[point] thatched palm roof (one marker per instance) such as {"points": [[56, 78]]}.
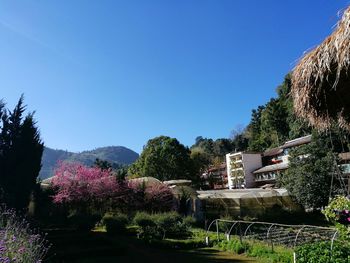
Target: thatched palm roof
{"points": [[321, 80]]}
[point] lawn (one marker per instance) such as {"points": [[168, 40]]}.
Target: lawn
{"points": [[73, 246]]}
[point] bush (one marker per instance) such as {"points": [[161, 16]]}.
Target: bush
{"points": [[338, 210], [18, 243], [189, 221], [172, 226], [258, 250], [160, 226], [115, 223], [321, 252], [234, 246], [143, 219], [148, 229], [82, 221]]}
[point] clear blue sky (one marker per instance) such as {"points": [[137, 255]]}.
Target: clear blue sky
{"points": [[101, 73]]}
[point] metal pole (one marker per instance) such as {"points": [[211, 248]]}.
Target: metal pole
{"points": [[217, 230]]}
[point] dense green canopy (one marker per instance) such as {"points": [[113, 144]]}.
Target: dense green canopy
{"points": [[165, 159]]}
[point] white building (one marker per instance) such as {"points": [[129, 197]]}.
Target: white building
{"points": [[240, 167]]}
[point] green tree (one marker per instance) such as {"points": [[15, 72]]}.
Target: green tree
{"points": [[200, 161], [20, 155], [256, 140], [102, 164], [239, 139], [311, 173], [275, 122], [165, 159]]}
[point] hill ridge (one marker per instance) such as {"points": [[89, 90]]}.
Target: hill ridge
{"points": [[117, 155]]}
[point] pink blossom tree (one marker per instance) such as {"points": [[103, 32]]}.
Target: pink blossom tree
{"points": [[81, 188], [78, 185], [159, 198]]}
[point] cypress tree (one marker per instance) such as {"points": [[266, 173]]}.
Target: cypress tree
{"points": [[20, 155]]}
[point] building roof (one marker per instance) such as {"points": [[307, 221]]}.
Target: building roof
{"points": [[271, 168], [178, 182], [244, 152], [241, 193], [272, 152], [145, 180], [297, 142]]}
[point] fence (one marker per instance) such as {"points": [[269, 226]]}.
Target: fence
{"points": [[272, 233]]}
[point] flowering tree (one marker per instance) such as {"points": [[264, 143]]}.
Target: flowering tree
{"points": [[151, 198], [158, 197], [77, 184], [84, 187]]}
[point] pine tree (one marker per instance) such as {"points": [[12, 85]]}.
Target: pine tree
{"points": [[21, 149]]}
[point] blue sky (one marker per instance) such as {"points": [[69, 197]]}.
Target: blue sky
{"points": [[101, 73]]}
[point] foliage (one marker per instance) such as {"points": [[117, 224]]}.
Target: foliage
{"points": [[338, 212], [102, 164], [309, 176], [143, 219], [83, 221], [275, 122], [189, 221], [161, 225], [80, 186], [92, 190], [259, 250], [158, 198], [335, 208], [18, 242], [234, 245], [20, 155], [213, 149], [321, 252], [165, 159], [117, 156], [201, 160], [115, 223]]}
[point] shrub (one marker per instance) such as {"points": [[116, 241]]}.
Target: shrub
{"points": [[115, 223], [161, 225], [338, 210], [189, 221], [171, 224], [19, 243], [144, 219], [321, 252], [234, 246], [83, 221], [148, 229], [258, 250]]}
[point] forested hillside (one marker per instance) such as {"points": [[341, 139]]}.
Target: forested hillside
{"points": [[116, 155]]}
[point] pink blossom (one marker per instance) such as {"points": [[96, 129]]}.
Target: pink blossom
{"points": [[77, 183]]}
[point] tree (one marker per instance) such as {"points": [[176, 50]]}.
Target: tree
{"points": [[309, 176], [102, 164], [165, 159], [239, 139], [21, 149], [201, 162]]}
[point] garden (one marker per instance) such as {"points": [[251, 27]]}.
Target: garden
{"points": [[90, 215]]}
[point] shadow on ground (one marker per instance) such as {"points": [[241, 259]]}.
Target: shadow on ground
{"points": [[71, 246]]}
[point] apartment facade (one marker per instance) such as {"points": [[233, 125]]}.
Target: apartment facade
{"points": [[240, 168], [249, 169]]}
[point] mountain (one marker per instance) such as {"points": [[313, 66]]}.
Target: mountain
{"points": [[117, 155]]}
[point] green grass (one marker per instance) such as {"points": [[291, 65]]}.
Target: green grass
{"points": [[256, 249]]}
